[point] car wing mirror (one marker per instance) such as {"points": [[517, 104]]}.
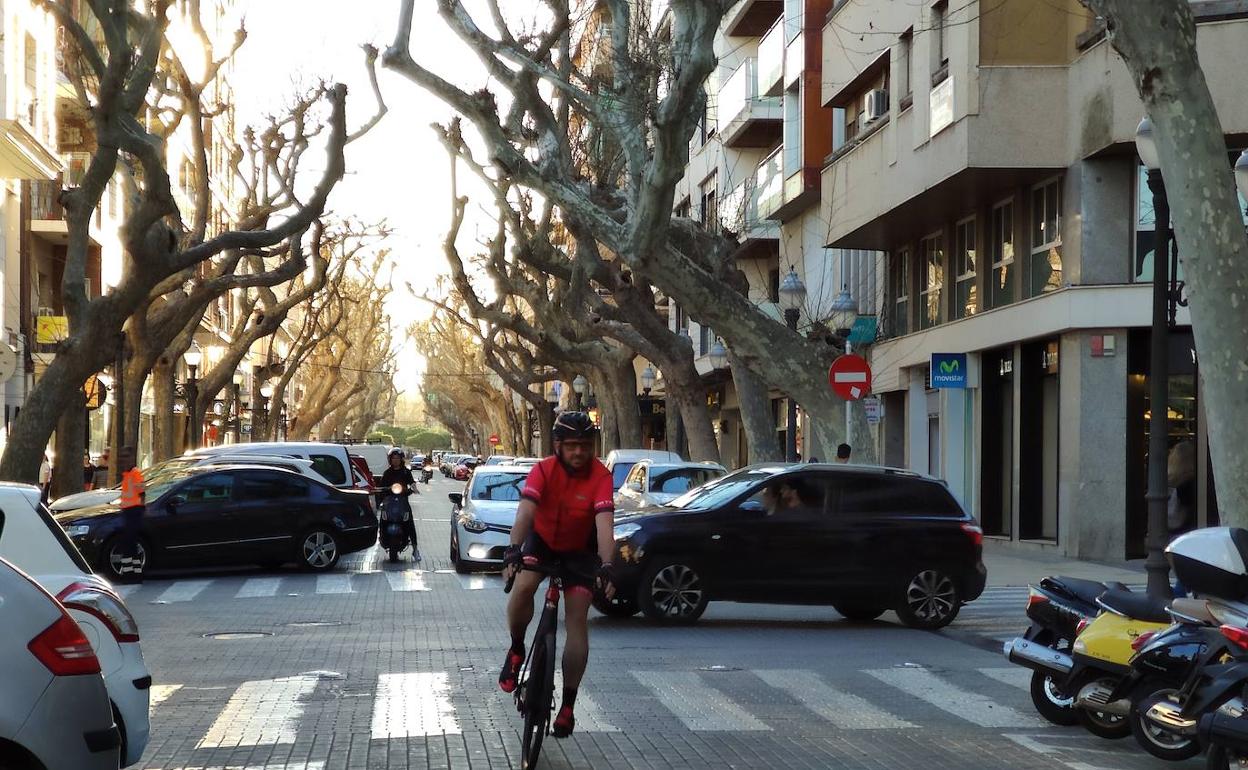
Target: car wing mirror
{"points": [[174, 502], [457, 498], [634, 486]]}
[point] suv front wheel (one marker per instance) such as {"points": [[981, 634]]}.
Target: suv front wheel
{"points": [[672, 591], [930, 600]]}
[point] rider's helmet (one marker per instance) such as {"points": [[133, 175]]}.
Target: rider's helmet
{"points": [[396, 452], [573, 425]]}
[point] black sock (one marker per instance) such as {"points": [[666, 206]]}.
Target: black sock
{"points": [[569, 697], [517, 645]]}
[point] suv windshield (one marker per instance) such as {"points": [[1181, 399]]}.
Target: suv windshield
{"points": [[721, 490]]}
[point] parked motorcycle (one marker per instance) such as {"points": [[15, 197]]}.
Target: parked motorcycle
{"points": [[395, 510]]}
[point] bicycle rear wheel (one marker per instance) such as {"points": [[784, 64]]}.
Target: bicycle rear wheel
{"points": [[538, 700]]}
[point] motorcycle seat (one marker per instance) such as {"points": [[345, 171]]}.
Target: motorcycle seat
{"points": [[1084, 590], [1193, 609], [1138, 606]]}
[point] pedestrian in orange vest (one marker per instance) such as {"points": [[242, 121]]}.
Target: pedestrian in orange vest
{"points": [[128, 560]]}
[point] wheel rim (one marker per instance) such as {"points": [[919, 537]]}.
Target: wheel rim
{"points": [[1106, 720], [115, 557], [1158, 737], [319, 549], [931, 596], [676, 590], [1051, 692]]}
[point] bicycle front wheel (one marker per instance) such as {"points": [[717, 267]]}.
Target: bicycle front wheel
{"points": [[538, 700]]}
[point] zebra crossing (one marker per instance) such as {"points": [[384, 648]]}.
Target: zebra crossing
{"points": [[424, 704], [1000, 613]]}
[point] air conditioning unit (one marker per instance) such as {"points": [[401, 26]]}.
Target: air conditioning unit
{"points": [[874, 105]]}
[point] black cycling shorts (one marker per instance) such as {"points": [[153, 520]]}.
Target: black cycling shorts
{"points": [[577, 569]]}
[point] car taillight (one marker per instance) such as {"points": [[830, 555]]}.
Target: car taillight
{"points": [[1034, 597], [1142, 640], [104, 605], [1239, 636], [64, 649], [976, 534]]}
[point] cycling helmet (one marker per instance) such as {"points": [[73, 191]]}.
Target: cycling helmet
{"points": [[573, 425]]}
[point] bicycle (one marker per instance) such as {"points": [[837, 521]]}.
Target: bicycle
{"points": [[535, 693]]}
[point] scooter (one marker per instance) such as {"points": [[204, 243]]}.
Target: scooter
{"points": [[1056, 606], [426, 474], [395, 510]]}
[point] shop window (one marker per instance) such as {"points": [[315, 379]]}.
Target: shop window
{"points": [[932, 281], [1001, 254], [966, 294], [1045, 270]]}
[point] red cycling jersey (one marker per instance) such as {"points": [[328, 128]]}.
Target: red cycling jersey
{"points": [[568, 502]]}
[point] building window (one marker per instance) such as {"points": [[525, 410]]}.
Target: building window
{"points": [[32, 61], [709, 116], [905, 55], [773, 285], [932, 263], [1001, 253], [710, 208], [682, 320], [966, 299], [901, 292], [683, 209], [704, 339], [940, 40], [1045, 270]]}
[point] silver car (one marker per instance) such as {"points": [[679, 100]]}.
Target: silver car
{"points": [[54, 709], [655, 482], [483, 516]]}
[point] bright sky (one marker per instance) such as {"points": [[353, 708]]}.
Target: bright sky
{"points": [[399, 171]]}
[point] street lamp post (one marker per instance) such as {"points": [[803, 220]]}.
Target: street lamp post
{"points": [[1159, 369], [193, 358], [842, 315], [266, 392], [792, 297], [238, 407], [579, 384], [648, 377]]}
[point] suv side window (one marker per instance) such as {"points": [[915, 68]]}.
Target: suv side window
{"points": [[330, 467], [887, 495], [213, 488], [270, 486], [804, 495]]}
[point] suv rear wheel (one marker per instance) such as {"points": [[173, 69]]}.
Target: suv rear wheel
{"points": [[930, 600]]}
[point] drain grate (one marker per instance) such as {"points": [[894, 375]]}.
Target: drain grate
{"points": [[718, 669], [229, 636], [314, 624]]}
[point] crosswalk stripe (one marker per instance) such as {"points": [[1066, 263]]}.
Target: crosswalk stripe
{"points": [[845, 710], [263, 712], [474, 582], [590, 718], [125, 591], [952, 699], [1015, 676], [257, 587], [183, 591], [333, 584], [413, 705], [408, 580], [309, 765], [699, 707], [159, 693]]}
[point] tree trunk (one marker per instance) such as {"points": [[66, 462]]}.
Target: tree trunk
{"points": [[545, 421], [71, 431], [1159, 48], [756, 416], [168, 435], [621, 384], [690, 402], [861, 436]]}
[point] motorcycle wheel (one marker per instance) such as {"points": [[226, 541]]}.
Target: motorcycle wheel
{"points": [[1222, 758], [1162, 744], [394, 555], [1102, 725], [1049, 702]]}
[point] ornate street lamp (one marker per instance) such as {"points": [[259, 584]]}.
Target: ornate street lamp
{"points": [[266, 392], [792, 298], [843, 313], [193, 358], [718, 354], [238, 406], [579, 384], [647, 379]]}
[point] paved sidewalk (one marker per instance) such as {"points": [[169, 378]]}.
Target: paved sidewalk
{"points": [[1014, 567]]}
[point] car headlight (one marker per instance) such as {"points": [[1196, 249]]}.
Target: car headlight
{"points": [[471, 523], [625, 531], [78, 530]]}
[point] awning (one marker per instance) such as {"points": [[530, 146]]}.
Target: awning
{"points": [[22, 156]]}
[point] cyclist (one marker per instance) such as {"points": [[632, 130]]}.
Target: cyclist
{"points": [[566, 516]]}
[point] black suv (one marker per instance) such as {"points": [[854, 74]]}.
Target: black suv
{"points": [[862, 539]]}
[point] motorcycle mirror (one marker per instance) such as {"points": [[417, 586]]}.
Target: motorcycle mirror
{"points": [[396, 489]]}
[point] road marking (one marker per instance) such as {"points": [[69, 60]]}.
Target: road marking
{"points": [[842, 709], [126, 590], [408, 580], [1033, 743], [1015, 676], [159, 693], [183, 591], [590, 718], [474, 582], [414, 705], [964, 704], [257, 587], [263, 712], [699, 707], [333, 584]]}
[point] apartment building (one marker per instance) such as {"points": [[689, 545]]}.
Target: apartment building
{"points": [[987, 149], [754, 172]]}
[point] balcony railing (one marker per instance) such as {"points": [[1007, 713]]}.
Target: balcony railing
{"points": [[794, 59], [44, 203], [740, 94], [739, 212], [769, 183], [771, 60]]}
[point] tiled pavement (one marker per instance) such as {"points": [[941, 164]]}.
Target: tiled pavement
{"points": [[394, 666]]}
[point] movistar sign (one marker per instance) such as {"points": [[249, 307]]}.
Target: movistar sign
{"points": [[948, 370]]}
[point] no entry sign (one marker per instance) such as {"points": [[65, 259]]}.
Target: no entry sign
{"points": [[495, 440], [850, 377]]}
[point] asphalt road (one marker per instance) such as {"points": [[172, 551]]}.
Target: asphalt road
{"points": [[394, 666]]}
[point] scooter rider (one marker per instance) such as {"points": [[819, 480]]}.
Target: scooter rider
{"points": [[399, 473]]}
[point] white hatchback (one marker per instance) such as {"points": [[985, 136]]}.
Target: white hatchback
{"points": [[483, 516], [33, 542]]}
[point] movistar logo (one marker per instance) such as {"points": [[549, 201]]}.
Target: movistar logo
{"points": [[950, 366]]}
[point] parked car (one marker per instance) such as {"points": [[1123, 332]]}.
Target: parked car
{"points": [[232, 515], [300, 465], [655, 482], [864, 540], [526, 462], [464, 468], [483, 516], [330, 460], [376, 455], [54, 708], [499, 460], [449, 462], [621, 461], [32, 541]]}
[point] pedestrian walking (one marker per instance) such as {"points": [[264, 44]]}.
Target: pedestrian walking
{"points": [[133, 506], [88, 472], [45, 477], [842, 453], [101, 480]]}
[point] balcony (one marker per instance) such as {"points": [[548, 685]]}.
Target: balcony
{"points": [[769, 183], [47, 218], [739, 214], [771, 61], [749, 120], [794, 59], [751, 18]]}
